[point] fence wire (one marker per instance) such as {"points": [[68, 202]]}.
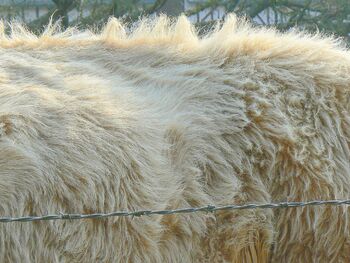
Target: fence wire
{"points": [[208, 209]]}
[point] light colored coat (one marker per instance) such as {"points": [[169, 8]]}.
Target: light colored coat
{"points": [[159, 118]]}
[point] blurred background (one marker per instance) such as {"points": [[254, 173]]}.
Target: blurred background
{"points": [[330, 16]]}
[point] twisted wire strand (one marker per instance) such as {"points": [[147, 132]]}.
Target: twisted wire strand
{"points": [[208, 209]]}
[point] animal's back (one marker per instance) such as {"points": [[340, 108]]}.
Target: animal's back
{"points": [[164, 120]]}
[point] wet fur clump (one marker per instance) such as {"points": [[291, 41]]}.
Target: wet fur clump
{"points": [[156, 117]]}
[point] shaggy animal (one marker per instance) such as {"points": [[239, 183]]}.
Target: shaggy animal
{"points": [[160, 118]]}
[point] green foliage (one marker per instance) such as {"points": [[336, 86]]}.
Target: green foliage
{"points": [[330, 16], [99, 12]]}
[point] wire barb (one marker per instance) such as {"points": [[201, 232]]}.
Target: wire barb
{"points": [[208, 209]]}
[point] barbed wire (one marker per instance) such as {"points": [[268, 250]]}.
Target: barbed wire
{"points": [[208, 209]]}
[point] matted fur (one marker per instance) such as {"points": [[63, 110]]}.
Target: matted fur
{"points": [[159, 118]]}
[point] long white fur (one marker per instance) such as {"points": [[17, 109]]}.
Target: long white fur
{"points": [[160, 118]]}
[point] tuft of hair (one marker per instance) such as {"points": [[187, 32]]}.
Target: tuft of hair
{"points": [[233, 36]]}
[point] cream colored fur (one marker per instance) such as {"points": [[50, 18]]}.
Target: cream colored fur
{"points": [[159, 118]]}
